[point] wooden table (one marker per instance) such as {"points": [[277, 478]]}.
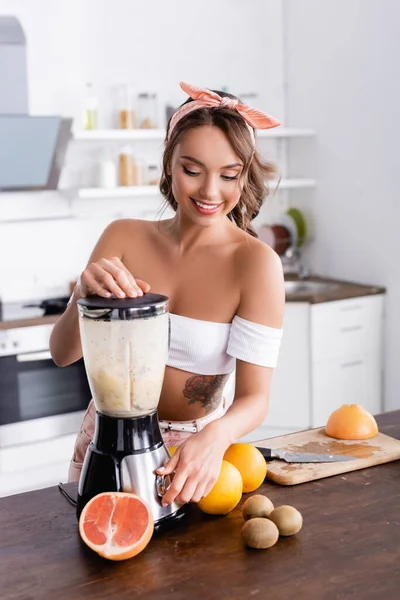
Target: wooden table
{"points": [[349, 548]]}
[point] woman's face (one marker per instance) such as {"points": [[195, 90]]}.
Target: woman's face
{"points": [[205, 173]]}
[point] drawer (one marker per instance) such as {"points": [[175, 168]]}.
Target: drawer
{"points": [[345, 328], [341, 381], [25, 457], [33, 479]]}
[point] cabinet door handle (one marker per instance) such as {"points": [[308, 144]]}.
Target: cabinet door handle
{"points": [[352, 363], [352, 307], [351, 328]]}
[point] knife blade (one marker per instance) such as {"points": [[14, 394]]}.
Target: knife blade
{"points": [[302, 457]]}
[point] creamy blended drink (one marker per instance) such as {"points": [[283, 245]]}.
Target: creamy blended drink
{"points": [[125, 362]]}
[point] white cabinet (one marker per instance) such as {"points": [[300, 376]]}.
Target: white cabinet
{"points": [[35, 465], [331, 354], [291, 386]]}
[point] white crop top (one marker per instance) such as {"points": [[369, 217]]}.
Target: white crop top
{"points": [[209, 348]]}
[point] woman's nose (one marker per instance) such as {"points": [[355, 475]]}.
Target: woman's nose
{"points": [[209, 188]]}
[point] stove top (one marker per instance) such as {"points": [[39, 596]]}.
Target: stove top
{"points": [[34, 309]]}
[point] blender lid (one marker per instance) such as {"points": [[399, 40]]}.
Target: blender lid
{"points": [[148, 305]]}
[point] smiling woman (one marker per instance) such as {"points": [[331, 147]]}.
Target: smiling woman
{"points": [[225, 288], [224, 131]]}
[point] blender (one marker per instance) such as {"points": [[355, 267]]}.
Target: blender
{"points": [[125, 348]]}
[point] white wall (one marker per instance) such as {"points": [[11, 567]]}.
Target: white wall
{"points": [[342, 75], [152, 45]]}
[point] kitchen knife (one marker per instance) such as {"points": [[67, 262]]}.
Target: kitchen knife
{"points": [[302, 457]]}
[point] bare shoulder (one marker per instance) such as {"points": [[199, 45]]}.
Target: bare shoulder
{"points": [[127, 227], [260, 272], [123, 230], [117, 236], [256, 259]]}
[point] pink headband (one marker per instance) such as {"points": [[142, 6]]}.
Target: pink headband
{"points": [[253, 117]]}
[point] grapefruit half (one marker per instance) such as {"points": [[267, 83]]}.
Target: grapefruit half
{"points": [[116, 525]]}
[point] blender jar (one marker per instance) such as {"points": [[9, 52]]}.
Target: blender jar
{"points": [[125, 350]]}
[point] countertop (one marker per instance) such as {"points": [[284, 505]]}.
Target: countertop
{"points": [[343, 290], [30, 322], [348, 547]]}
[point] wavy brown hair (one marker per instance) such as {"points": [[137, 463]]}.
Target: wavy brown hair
{"points": [[255, 173]]}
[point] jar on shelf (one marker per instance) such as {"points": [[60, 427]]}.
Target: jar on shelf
{"points": [[106, 172], [126, 107], [147, 110], [127, 175], [170, 109], [139, 172], [153, 173], [90, 108]]}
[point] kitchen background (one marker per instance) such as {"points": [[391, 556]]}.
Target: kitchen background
{"points": [[325, 69]]}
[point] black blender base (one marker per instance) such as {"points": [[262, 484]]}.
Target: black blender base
{"points": [[100, 473], [170, 522]]}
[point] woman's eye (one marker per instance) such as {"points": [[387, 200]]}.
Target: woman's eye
{"points": [[227, 178], [191, 173]]}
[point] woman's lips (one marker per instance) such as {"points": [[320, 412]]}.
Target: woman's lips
{"points": [[205, 211]]}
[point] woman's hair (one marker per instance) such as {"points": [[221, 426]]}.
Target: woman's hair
{"points": [[255, 174]]}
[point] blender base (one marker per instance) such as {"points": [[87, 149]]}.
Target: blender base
{"points": [[167, 523], [123, 457]]}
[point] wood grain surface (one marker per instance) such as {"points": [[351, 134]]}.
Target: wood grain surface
{"points": [[375, 451], [348, 548]]}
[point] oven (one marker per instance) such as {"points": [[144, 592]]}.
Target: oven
{"points": [[38, 400]]}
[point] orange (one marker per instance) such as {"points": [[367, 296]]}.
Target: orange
{"points": [[250, 463], [116, 525], [351, 422], [225, 494]]}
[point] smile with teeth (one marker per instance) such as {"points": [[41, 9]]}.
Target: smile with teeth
{"points": [[205, 206]]}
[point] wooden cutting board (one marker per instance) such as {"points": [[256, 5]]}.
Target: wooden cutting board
{"points": [[375, 451]]}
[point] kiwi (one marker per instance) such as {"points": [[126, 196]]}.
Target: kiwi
{"points": [[287, 519], [260, 533], [257, 506]]}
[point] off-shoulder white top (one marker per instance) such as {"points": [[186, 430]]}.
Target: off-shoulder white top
{"points": [[208, 348]]}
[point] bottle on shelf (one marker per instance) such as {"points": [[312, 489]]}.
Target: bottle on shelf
{"points": [[106, 171], [127, 170], [90, 110], [139, 172], [126, 107]]}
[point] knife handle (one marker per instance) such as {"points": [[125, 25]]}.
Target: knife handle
{"points": [[266, 452]]}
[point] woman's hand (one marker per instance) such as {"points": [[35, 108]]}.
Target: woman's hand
{"points": [[106, 277], [197, 463]]}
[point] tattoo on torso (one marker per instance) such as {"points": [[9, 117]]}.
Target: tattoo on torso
{"points": [[206, 389]]}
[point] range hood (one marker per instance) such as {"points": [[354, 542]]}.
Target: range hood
{"points": [[32, 148]]}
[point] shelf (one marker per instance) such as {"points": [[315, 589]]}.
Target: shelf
{"points": [[103, 135], [153, 190], [285, 132], [296, 184], [118, 135], [118, 192]]}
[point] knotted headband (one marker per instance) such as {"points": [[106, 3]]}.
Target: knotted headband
{"points": [[254, 118]]}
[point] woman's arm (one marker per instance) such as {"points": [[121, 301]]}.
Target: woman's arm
{"points": [[198, 460], [65, 341], [104, 275], [262, 302]]}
